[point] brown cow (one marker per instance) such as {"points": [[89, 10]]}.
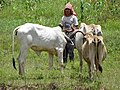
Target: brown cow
{"points": [[94, 52], [79, 35]]}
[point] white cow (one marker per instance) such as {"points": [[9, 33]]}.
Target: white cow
{"points": [[39, 38]]}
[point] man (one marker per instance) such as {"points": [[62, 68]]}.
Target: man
{"points": [[69, 22]]}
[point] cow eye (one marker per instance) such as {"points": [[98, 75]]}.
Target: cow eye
{"points": [[94, 32], [99, 34]]}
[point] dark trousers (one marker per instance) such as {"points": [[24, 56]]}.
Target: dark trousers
{"points": [[69, 50]]}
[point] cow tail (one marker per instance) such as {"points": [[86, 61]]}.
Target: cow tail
{"points": [[13, 59], [100, 68]]}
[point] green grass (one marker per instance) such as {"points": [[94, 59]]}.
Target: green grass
{"points": [[37, 76]]}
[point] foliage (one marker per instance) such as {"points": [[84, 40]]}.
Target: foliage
{"points": [[90, 11], [99, 10]]}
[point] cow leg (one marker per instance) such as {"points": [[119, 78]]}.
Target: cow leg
{"points": [[50, 61], [81, 62], [98, 68], [71, 52], [92, 66], [89, 70], [22, 58], [65, 54], [60, 56], [97, 65], [99, 59], [102, 55]]}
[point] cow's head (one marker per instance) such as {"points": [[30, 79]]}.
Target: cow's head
{"points": [[97, 30], [96, 40]]}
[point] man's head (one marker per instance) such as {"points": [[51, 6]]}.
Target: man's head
{"points": [[69, 10]]}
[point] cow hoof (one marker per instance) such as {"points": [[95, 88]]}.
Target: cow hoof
{"points": [[62, 65]]}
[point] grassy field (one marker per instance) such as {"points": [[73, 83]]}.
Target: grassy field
{"points": [[38, 77]]}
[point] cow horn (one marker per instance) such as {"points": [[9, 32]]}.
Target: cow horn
{"points": [[68, 39], [73, 34]]}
